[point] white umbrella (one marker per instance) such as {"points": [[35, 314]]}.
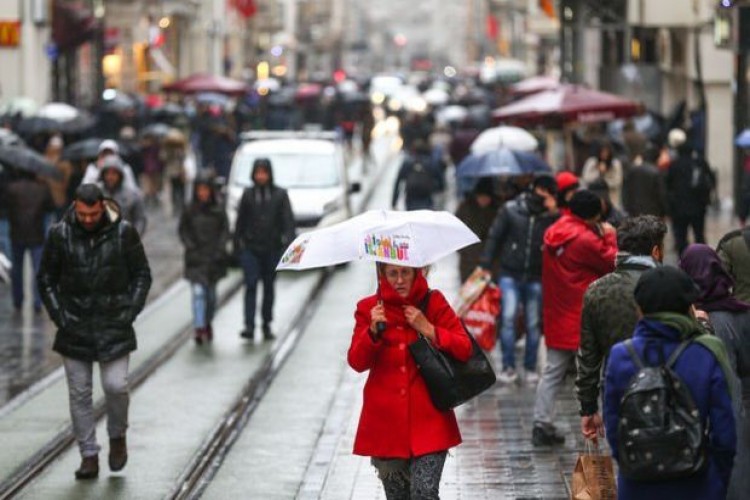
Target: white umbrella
{"points": [[452, 114], [436, 97], [413, 239], [58, 111], [513, 138]]}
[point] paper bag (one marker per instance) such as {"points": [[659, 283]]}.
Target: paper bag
{"points": [[593, 478]]}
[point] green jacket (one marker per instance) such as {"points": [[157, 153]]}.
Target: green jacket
{"points": [[608, 316], [734, 252]]}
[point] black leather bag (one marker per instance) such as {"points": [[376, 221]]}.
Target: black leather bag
{"points": [[451, 382]]}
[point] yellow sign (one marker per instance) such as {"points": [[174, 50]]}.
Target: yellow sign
{"points": [[10, 33]]}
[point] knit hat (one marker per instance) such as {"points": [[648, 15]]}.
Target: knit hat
{"points": [[585, 204], [665, 289], [566, 180]]}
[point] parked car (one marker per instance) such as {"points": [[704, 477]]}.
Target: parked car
{"points": [[310, 165]]}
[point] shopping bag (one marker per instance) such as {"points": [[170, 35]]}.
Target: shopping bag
{"points": [[471, 289], [593, 476], [481, 317]]}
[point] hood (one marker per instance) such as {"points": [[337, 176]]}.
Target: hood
{"points": [[204, 180], [270, 172], [565, 230], [389, 295]]}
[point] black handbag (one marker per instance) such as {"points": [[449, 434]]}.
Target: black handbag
{"points": [[451, 382]]}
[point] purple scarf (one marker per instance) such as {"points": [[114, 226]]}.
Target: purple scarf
{"points": [[702, 263]]}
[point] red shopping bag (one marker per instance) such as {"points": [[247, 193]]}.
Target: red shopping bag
{"points": [[481, 317]]}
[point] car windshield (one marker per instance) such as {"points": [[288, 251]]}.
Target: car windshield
{"points": [[293, 170]]}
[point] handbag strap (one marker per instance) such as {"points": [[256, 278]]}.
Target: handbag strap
{"points": [[425, 302]]}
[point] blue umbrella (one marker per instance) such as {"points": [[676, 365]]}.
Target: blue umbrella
{"points": [[743, 140], [501, 162]]}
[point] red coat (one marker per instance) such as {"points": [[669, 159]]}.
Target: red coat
{"points": [[574, 256], [398, 418]]}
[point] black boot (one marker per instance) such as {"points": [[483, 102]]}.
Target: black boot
{"points": [[118, 454], [267, 333], [198, 336], [545, 436], [89, 468], [248, 333]]}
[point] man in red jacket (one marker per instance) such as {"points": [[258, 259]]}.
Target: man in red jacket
{"points": [[578, 249]]}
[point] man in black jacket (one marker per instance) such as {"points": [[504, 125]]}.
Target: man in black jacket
{"points": [[94, 279], [517, 236], [265, 226]]}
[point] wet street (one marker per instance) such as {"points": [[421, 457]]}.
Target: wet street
{"points": [[297, 428]]}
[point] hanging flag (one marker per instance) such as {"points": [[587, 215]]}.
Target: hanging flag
{"points": [[492, 27], [548, 7], [246, 8]]}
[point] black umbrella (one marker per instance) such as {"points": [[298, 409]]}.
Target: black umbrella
{"points": [[27, 160], [88, 149], [167, 112], [8, 138], [34, 125], [78, 125], [157, 130]]}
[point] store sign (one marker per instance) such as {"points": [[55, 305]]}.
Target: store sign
{"points": [[10, 33]]}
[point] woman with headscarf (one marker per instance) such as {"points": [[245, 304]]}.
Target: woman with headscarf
{"points": [[730, 319], [608, 168]]}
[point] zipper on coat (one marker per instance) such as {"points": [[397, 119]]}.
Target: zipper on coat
{"points": [[527, 257]]}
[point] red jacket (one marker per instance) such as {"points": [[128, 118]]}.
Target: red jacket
{"points": [[574, 255], [398, 418]]}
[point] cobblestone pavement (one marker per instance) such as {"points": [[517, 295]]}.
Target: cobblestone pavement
{"points": [[26, 337]]}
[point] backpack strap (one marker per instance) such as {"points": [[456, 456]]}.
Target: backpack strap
{"points": [[634, 355], [676, 353]]}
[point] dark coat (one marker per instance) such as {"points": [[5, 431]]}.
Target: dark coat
{"points": [[28, 202], [643, 191], [685, 198], [516, 237], [734, 252], [265, 222], [204, 230], [701, 372], [94, 284], [478, 219], [608, 316]]}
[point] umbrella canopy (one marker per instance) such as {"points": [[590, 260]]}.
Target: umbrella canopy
{"points": [[119, 101], [88, 149], [8, 138], [415, 239], [501, 162], [27, 160], [271, 84], [212, 98], [308, 91], [568, 104], [514, 138], [201, 82], [452, 114], [155, 130], [24, 105], [436, 97], [38, 125], [535, 84], [59, 111], [743, 139]]}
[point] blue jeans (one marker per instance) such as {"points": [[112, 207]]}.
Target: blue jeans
{"points": [[204, 304], [513, 292], [19, 251], [258, 266]]}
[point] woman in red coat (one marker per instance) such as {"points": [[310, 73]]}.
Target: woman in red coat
{"points": [[406, 436]]}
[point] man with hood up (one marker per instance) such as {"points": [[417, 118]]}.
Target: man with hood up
{"points": [[106, 149], [265, 227], [94, 279], [578, 249], [112, 182]]}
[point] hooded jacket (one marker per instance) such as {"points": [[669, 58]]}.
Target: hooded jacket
{"points": [[94, 284], [398, 419], [517, 235], [265, 222], [129, 200], [734, 252], [574, 255]]}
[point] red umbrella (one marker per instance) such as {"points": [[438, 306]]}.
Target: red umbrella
{"points": [[535, 84], [568, 104], [201, 82]]}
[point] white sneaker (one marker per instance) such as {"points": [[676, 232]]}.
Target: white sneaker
{"points": [[508, 376], [532, 378]]}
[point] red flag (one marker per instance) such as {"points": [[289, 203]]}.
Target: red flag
{"points": [[548, 6], [492, 27], [246, 8]]}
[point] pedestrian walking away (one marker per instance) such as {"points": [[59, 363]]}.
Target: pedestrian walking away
{"points": [[406, 437], [516, 237], [578, 249], [204, 230], [94, 279], [265, 226], [734, 251], [609, 311], [730, 320], [655, 463]]}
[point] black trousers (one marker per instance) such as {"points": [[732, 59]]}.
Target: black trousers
{"points": [[680, 226], [258, 267]]}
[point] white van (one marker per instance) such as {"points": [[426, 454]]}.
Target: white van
{"points": [[308, 164]]}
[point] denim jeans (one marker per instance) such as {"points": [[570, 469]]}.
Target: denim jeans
{"points": [[114, 375], [258, 266], [204, 304], [16, 276], [513, 292]]}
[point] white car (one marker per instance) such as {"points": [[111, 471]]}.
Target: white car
{"points": [[309, 165]]}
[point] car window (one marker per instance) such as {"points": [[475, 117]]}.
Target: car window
{"points": [[292, 170]]}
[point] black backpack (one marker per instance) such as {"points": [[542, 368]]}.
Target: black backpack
{"points": [[420, 183], [660, 431]]}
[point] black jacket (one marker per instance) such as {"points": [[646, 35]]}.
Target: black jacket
{"points": [[204, 231], [517, 236], [265, 222], [94, 284], [686, 196], [643, 191], [28, 202]]}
